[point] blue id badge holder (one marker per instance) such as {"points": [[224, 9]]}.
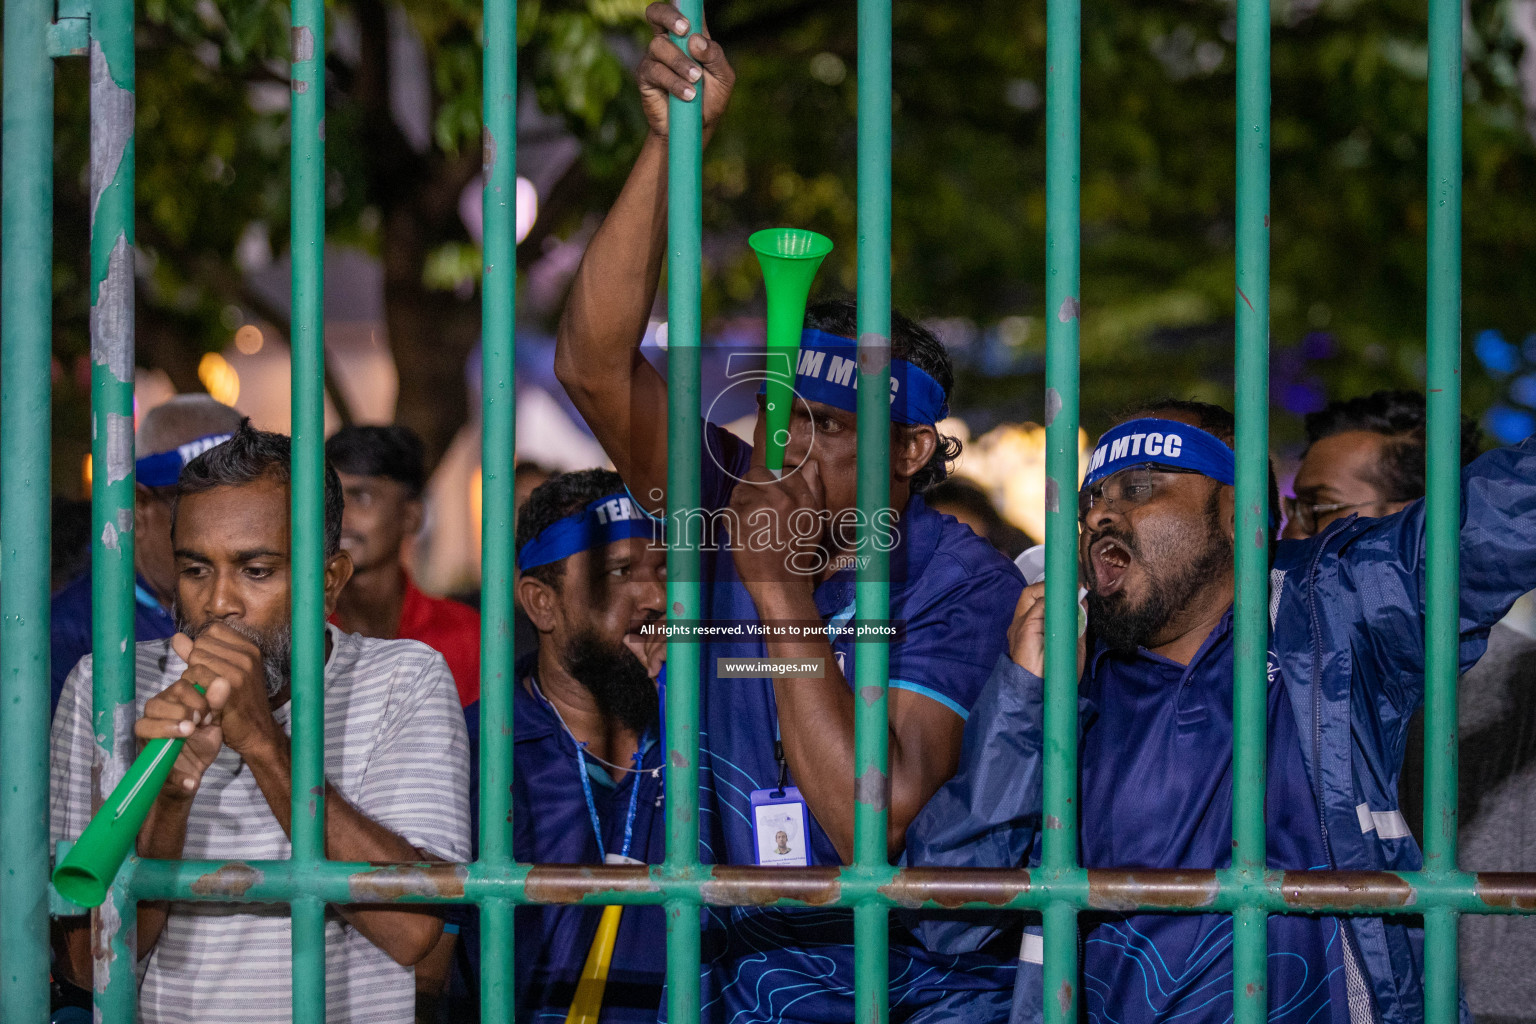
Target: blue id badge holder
{"points": [[780, 828], [781, 832]]}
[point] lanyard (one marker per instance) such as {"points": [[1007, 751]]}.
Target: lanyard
{"points": [[586, 780], [145, 598], [634, 797], [778, 755]]}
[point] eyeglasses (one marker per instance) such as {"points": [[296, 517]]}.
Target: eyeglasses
{"points": [[1306, 516], [1125, 490]]}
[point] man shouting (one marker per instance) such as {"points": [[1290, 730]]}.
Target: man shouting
{"points": [[1346, 671]]}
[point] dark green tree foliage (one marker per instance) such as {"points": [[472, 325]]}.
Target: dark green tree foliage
{"points": [[1348, 207], [1347, 210]]}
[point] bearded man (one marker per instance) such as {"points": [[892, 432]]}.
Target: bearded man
{"points": [[396, 758], [587, 751], [1346, 672]]}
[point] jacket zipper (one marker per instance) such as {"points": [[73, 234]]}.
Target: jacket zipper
{"points": [[1317, 707], [1346, 930]]}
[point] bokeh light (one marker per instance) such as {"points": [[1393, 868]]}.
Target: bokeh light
{"points": [[221, 380], [249, 340], [1510, 425], [1498, 356], [527, 207]]}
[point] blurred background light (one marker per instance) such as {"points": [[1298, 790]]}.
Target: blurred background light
{"points": [[221, 380]]}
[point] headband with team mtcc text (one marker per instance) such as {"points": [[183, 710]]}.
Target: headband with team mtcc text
{"points": [[1161, 443], [609, 518], [828, 372], [164, 468]]}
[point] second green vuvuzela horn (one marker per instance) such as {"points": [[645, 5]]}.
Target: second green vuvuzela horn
{"points": [[790, 258], [86, 873]]}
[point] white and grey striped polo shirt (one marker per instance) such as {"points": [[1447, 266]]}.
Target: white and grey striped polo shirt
{"points": [[395, 747]]}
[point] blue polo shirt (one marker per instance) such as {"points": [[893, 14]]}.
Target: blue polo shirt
{"points": [[1157, 793], [953, 596], [552, 825], [70, 628]]}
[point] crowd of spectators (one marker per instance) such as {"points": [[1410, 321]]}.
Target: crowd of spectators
{"points": [[402, 688]]}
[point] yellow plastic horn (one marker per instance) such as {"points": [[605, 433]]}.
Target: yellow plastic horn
{"points": [[790, 258], [588, 1002]]}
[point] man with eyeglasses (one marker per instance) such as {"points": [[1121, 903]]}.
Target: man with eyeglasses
{"points": [[1366, 457], [1346, 671]]}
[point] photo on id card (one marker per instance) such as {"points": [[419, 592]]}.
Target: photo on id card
{"points": [[779, 828]]}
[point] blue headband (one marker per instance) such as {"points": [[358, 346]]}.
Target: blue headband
{"points": [[828, 372], [164, 468], [612, 517], [1161, 443]]}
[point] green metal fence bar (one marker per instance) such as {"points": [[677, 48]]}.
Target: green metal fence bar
{"points": [[1250, 618], [498, 405], [307, 175], [1063, 104], [1443, 499], [872, 785], [685, 184], [112, 453], [26, 348]]}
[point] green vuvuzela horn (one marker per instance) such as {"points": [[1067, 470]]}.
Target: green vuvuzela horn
{"points": [[790, 258], [92, 863]]}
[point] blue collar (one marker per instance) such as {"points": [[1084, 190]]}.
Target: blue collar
{"points": [[531, 717]]}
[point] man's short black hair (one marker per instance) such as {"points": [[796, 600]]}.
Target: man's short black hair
{"points": [[252, 455], [1400, 416], [394, 452], [561, 495], [916, 344]]}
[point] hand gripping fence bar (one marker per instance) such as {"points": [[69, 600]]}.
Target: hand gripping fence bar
{"points": [[36, 32]]}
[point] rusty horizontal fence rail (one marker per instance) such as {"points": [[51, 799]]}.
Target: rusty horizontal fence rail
{"points": [[1277, 892]]}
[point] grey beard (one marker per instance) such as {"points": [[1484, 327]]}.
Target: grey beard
{"points": [[276, 649], [276, 652]]}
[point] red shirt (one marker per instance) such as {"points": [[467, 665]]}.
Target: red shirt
{"points": [[448, 627]]}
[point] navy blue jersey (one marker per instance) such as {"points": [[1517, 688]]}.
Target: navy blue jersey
{"points": [[1157, 793], [70, 629], [953, 597], [552, 825]]}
